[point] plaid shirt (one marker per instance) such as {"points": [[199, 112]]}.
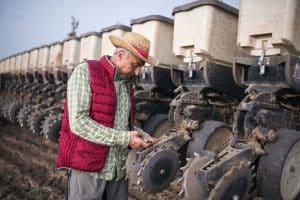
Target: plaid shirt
{"points": [[79, 98]]}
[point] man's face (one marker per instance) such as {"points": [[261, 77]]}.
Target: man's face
{"points": [[131, 65]]}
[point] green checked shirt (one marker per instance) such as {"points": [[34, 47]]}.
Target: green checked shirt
{"points": [[79, 99]]}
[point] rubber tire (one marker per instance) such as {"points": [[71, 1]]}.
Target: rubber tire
{"points": [[270, 166], [13, 111], [35, 126], [30, 118], [5, 109], [201, 136], [22, 117], [46, 124], [153, 123], [54, 130]]}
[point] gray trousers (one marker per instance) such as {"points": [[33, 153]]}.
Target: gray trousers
{"points": [[82, 186]]}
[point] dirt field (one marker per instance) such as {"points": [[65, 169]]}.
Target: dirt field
{"points": [[27, 169], [27, 166]]}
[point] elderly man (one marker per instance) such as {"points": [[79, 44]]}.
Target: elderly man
{"points": [[97, 127]]}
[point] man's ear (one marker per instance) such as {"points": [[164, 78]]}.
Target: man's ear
{"points": [[121, 54]]}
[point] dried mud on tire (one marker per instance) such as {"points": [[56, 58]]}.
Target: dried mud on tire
{"points": [[28, 171]]}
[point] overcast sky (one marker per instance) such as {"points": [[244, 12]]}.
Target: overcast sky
{"points": [[26, 24]]}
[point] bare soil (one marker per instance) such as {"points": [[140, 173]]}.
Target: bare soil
{"points": [[27, 166], [27, 169]]}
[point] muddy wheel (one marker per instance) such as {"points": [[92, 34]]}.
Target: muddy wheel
{"points": [[23, 117], [13, 112], [46, 123], [193, 188], [278, 172], [157, 125], [36, 122], [171, 116], [234, 184], [20, 116], [132, 167], [212, 135], [51, 128], [5, 110], [175, 111]]}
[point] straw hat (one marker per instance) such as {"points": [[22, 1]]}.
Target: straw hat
{"points": [[137, 44]]}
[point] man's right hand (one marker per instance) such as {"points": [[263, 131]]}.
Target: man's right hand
{"points": [[136, 140]]}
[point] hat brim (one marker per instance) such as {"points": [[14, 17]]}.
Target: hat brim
{"points": [[119, 42]]}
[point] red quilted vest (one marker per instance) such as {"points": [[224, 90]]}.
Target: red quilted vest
{"points": [[75, 152]]}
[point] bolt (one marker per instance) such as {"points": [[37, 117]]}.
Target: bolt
{"points": [[292, 169]]}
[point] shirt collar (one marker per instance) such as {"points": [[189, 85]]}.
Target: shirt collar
{"points": [[115, 72]]}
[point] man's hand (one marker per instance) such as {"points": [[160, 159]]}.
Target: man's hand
{"points": [[136, 140]]}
